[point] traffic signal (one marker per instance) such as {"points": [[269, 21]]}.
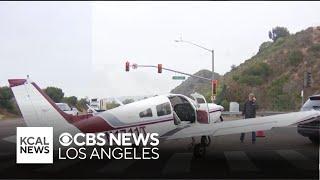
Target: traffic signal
{"points": [[127, 66], [214, 86], [159, 68], [308, 79]]}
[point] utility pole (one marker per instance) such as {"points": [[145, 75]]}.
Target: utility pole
{"points": [[212, 52], [213, 81]]}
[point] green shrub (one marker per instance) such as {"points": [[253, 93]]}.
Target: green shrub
{"points": [[315, 48], [264, 46], [250, 80], [278, 98], [258, 69], [235, 78], [255, 74], [295, 57], [280, 41], [225, 104]]}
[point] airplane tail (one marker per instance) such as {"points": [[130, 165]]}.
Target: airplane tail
{"points": [[37, 108]]}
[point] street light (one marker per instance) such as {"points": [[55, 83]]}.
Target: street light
{"points": [[212, 53]]}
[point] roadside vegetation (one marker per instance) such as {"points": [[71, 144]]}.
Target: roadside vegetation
{"points": [[275, 74], [9, 108]]}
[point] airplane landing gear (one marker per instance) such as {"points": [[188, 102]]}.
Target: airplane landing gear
{"points": [[221, 119], [206, 140], [199, 150]]}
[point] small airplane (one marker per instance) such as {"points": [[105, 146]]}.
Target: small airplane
{"points": [[172, 116]]}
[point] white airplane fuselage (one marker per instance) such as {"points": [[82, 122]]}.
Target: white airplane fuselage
{"points": [[156, 115]]}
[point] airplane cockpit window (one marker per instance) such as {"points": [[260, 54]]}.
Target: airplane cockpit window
{"points": [[146, 113], [200, 100], [183, 108], [163, 109]]}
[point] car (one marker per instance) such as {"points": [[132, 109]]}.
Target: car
{"points": [[311, 129], [67, 109]]}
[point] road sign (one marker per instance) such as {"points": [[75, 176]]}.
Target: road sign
{"points": [[178, 77]]}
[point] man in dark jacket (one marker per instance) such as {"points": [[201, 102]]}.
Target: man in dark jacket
{"points": [[249, 111]]}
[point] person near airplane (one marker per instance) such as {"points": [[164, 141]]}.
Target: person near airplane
{"points": [[249, 111]]}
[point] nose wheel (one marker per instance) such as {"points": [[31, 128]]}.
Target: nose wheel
{"points": [[199, 150]]}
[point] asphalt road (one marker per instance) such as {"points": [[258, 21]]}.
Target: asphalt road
{"points": [[283, 153]]}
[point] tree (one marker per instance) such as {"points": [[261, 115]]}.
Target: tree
{"points": [[127, 101], [71, 101], [82, 104], [221, 94], [112, 105], [56, 94], [5, 97], [233, 66], [278, 32]]}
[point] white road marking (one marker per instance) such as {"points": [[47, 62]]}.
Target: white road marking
{"points": [[11, 139], [239, 161], [178, 163], [117, 166], [58, 166], [296, 159]]}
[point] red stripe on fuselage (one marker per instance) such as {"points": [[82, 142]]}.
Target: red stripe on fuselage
{"points": [[215, 111], [97, 124]]}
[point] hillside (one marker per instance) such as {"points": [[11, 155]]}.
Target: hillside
{"points": [[193, 84], [275, 74]]}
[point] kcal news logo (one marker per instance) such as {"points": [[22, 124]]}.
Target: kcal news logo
{"points": [[34, 145]]}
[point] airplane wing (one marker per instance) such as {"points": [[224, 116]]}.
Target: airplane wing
{"points": [[243, 125]]}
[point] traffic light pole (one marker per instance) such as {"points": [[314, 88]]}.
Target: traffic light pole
{"points": [[213, 82], [212, 79], [175, 71]]}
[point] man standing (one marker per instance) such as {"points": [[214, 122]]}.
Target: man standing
{"points": [[249, 111]]}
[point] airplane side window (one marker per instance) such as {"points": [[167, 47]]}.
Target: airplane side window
{"points": [[163, 109], [146, 113]]}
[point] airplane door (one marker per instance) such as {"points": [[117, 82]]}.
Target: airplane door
{"points": [[203, 115]]}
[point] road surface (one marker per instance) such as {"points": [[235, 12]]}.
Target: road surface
{"points": [[281, 154]]}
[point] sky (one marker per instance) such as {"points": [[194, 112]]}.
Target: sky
{"points": [[81, 47]]}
